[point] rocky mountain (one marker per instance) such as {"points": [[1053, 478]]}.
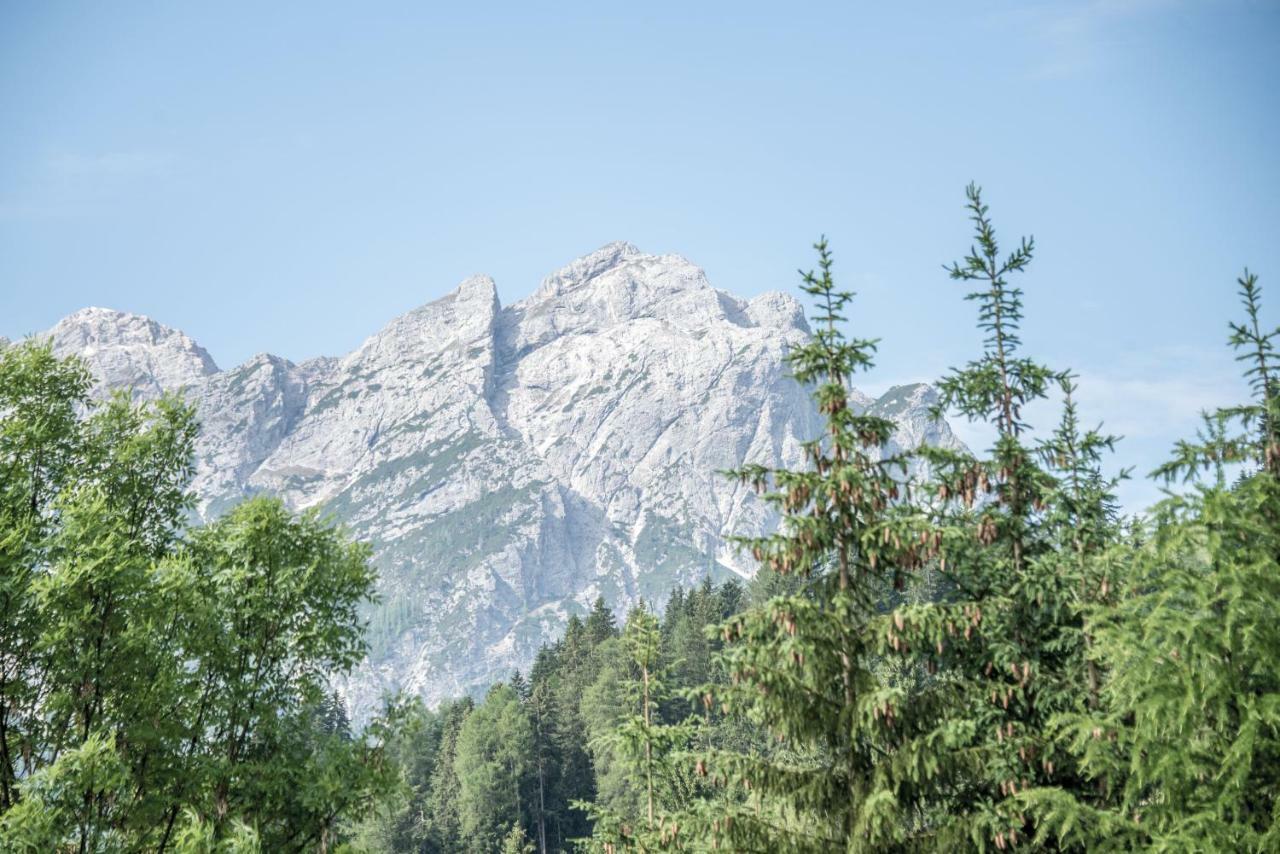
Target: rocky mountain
{"points": [[508, 464]]}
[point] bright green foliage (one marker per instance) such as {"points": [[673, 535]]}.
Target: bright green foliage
{"points": [[1186, 736], [493, 764], [40, 446], [156, 692], [602, 709], [802, 667], [1258, 443], [198, 836], [515, 842], [434, 811], [281, 597], [52, 800], [650, 751]]}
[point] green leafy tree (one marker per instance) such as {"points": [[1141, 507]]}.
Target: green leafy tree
{"points": [[156, 688], [89, 667], [281, 600], [40, 445]]}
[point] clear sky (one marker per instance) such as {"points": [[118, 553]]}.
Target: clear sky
{"points": [[287, 177]]}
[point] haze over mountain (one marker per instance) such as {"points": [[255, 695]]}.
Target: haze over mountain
{"points": [[508, 464]]}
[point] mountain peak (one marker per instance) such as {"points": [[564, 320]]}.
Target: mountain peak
{"points": [[508, 465], [478, 288], [132, 351], [589, 267], [96, 312], [463, 317]]}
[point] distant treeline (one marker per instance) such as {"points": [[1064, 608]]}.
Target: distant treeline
{"points": [[519, 767]]}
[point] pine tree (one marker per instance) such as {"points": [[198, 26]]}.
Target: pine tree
{"points": [[516, 842], [520, 685], [442, 812], [562, 677], [600, 624], [493, 767], [541, 716], [1258, 443]]}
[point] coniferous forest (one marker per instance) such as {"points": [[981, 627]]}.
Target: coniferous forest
{"points": [[942, 650]]}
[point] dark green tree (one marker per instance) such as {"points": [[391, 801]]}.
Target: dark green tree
{"points": [[494, 761], [1000, 650], [442, 815]]}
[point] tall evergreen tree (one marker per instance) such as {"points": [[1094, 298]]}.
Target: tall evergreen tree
{"points": [[650, 750], [600, 624], [442, 812], [493, 764], [1004, 635], [801, 666], [1185, 738]]}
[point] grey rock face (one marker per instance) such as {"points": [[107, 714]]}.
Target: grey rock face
{"points": [[509, 464], [132, 352]]}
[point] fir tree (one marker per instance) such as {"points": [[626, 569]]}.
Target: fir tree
{"points": [[600, 624], [493, 766], [442, 811], [516, 842]]}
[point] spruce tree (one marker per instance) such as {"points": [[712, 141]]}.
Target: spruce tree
{"points": [[801, 666], [1000, 649], [1185, 738], [441, 813], [493, 763]]}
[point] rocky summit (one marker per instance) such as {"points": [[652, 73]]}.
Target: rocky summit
{"points": [[509, 465]]}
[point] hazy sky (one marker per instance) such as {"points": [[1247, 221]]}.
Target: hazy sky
{"points": [[288, 177]]}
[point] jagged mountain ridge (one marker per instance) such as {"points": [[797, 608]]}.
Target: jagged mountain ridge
{"points": [[508, 464]]}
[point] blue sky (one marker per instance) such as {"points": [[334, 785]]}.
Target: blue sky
{"points": [[288, 177]]}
